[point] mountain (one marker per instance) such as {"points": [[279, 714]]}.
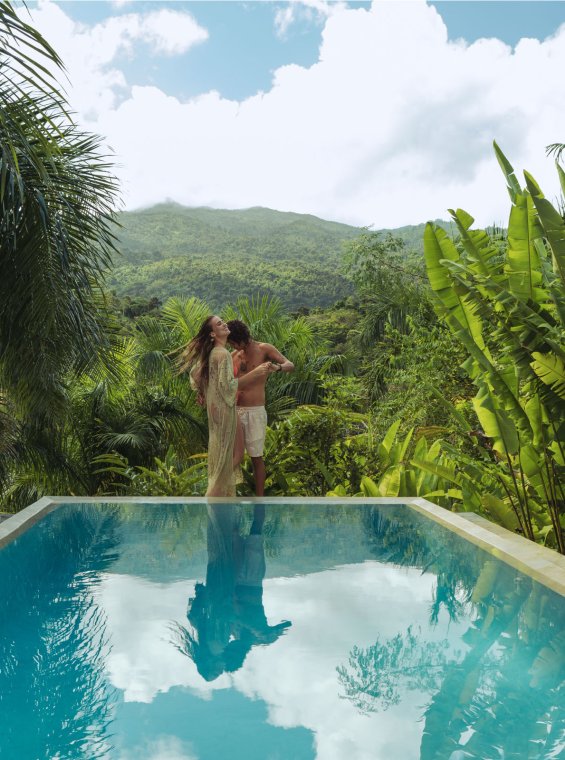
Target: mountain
{"points": [[220, 255]]}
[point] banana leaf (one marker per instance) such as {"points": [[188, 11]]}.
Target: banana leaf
{"points": [[496, 423], [391, 481], [385, 446], [508, 171], [553, 226], [522, 258], [437, 248], [501, 511], [551, 370]]}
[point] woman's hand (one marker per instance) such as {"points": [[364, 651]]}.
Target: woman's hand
{"points": [[266, 368], [261, 370]]}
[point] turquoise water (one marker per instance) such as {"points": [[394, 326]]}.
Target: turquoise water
{"points": [[340, 632]]}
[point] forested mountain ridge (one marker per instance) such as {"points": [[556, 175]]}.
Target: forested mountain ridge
{"points": [[219, 254]]}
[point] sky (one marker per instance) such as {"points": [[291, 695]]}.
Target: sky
{"points": [[376, 114]]}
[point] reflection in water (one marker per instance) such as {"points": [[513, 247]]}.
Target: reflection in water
{"points": [[54, 697], [465, 654], [376, 677], [505, 697], [406, 539], [226, 616]]}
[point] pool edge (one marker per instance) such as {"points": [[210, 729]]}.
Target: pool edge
{"points": [[540, 563], [13, 526]]}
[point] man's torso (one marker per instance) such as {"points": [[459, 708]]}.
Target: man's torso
{"points": [[254, 394]]}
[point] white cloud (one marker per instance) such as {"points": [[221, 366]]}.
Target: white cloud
{"points": [[296, 675], [304, 10], [162, 748], [392, 125], [169, 32], [90, 52]]}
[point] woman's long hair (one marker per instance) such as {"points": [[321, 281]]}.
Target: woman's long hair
{"points": [[196, 355]]}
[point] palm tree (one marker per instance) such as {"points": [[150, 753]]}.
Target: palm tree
{"points": [[555, 149], [57, 199]]}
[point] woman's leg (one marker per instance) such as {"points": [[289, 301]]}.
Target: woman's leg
{"points": [[238, 445]]}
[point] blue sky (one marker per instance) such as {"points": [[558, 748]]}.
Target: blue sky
{"points": [[244, 49], [373, 113]]}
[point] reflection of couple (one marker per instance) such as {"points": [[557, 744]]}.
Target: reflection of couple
{"points": [[226, 616], [233, 387]]}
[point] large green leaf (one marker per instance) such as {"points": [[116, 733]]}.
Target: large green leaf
{"points": [[513, 184], [501, 511], [448, 473], [477, 243], [534, 409], [398, 451], [553, 226], [551, 370], [390, 482], [369, 487], [496, 423], [561, 175], [437, 248], [523, 262], [492, 373], [386, 444]]}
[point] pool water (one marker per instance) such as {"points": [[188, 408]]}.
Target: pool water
{"points": [[267, 632]]}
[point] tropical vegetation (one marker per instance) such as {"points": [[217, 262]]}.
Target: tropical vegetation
{"points": [[431, 365], [217, 254]]}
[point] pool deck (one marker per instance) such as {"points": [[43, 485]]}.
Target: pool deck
{"points": [[540, 563]]}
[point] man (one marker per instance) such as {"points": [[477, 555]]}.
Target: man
{"points": [[250, 353]]}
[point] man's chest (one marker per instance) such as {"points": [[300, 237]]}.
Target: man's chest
{"points": [[251, 359]]}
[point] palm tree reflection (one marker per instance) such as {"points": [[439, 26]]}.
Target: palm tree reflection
{"points": [[226, 616], [55, 697], [377, 677], [504, 695]]}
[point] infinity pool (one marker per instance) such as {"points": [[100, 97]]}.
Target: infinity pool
{"points": [[272, 632]]}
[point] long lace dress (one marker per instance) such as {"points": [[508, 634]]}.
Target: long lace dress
{"points": [[222, 422]]}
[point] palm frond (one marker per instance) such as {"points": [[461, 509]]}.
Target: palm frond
{"points": [[556, 150]]}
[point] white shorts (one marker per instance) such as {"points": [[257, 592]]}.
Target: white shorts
{"points": [[254, 424]]}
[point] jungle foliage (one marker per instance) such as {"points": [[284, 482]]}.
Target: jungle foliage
{"points": [[439, 374], [218, 254], [501, 298], [137, 429]]}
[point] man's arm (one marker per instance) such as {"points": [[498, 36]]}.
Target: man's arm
{"points": [[263, 370], [274, 355]]}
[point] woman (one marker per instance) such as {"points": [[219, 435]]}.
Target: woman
{"points": [[211, 375]]}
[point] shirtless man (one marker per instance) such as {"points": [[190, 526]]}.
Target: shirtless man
{"points": [[248, 354]]}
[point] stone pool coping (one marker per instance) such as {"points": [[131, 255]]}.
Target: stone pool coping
{"points": [[540, 563]]}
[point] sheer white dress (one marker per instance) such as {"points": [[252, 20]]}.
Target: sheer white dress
{"points": [[222, 422]]}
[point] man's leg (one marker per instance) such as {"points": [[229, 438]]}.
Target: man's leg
{"points": [[255, 443], [258, 520], [259, 475]]}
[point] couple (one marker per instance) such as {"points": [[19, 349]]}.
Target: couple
{"points": [[233, 388], [226, 615]]}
